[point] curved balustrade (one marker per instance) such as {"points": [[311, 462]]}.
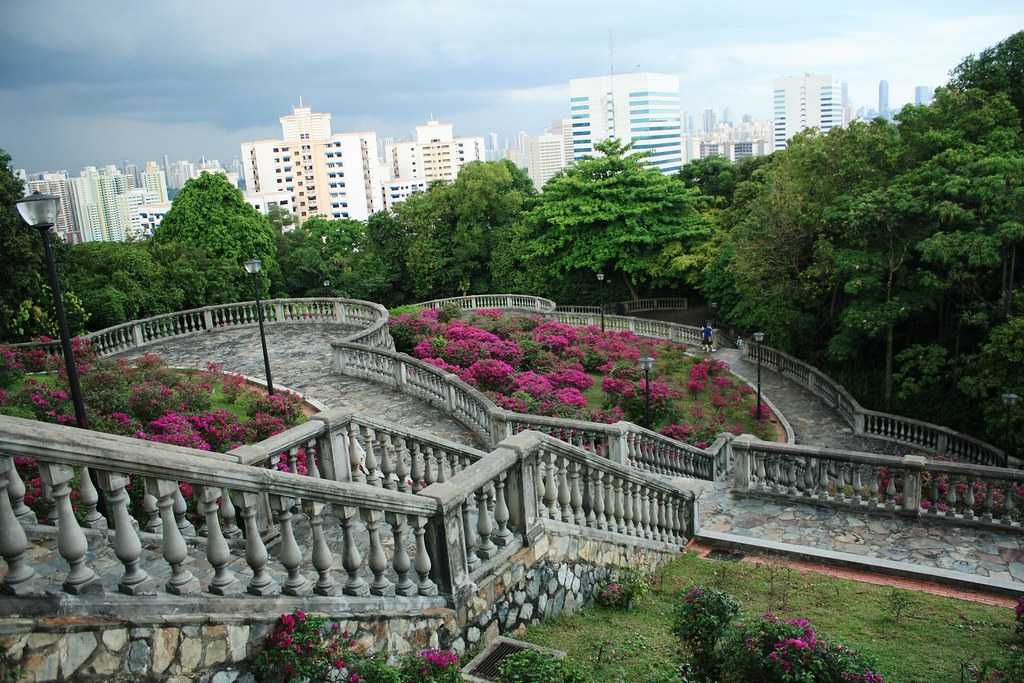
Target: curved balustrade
{"points": [[912, 485], [633, 306], [622, 442], [516, 301], [370, 318], [878, 425]]}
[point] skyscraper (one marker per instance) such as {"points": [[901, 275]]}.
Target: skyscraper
{"points": [[883, 100], [801, 102], [641, 108], [97, 205], [154, 180], [58, 184], [435, 154], [923, 95], [709, 122]]}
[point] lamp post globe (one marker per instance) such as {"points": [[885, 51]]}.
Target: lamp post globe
{"points": [[646, 364], [253, 267], [39, 211], [759, 338]]}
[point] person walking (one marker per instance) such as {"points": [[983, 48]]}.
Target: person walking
{"points": [[708, 334]]}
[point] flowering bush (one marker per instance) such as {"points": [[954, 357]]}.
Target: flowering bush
{"points": [[702, 617], [304, 647], [11, 367], [432, 666], [775, 651], [621, 591]]}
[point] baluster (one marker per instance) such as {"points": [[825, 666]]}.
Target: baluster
{"points": [[417, 468], [312, 455], [387, 466], [988, 503], [261, 583], [153, 523], [429, 466], [377, 560], [636, 492], [322, 558], [595, 517], [856, 485], [172, 543], [486, 548], [576, 492], [401, 467], [422, 561], [442, 463], [550, 489], [405, 586], [538, 476], [71, 542], [1009, 506], [16, 492], [564, 497], [218, 554], [355, 452], [228, 514], [503, 536], [469, 531], [762, 475], [293, 459], [969, 499], [614, 497], [13, 540], [374, 477], [352, 559], [890, 491], [628, 508], [180, 507], [289, 553]]}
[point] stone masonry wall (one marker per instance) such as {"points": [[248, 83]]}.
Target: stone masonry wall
{"points": [[95, 649], [556, 575]]}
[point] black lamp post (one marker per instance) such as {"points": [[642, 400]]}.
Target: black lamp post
{"points": [[1009, 400], [646, 363], [40, 212], [714, 314], [252, 266], [759, 337], [600, 287]]}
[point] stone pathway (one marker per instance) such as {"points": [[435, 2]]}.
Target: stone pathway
{"points": [[300, 358], [992, 554]]}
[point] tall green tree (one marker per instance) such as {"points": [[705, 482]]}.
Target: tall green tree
{"points": [[211, 214], [616, 214], [998, 69]]}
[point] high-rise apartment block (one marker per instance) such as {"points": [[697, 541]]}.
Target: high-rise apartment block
{"points": [[545, 157], [334, 175], [638, 108], [98, 208], [883, 100], [154, 180], [808, 101], [435, 154], [923, 95], [59, 184]]}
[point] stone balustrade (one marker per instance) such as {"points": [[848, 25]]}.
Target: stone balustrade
{"points": [[370, 318], [907, 431], [514, 301], [632, 306], [912, 486], [623, 442]]}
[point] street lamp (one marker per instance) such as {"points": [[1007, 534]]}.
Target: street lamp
{"points": [[1008, 402], [39, 211], [646, 363], [252, 266], [714, 314], [327, 287], [759, 337], [600, 279]]}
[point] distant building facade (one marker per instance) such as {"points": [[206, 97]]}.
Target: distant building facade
{"points": [[802, 102]]}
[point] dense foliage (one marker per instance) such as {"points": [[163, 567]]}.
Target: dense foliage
{"points": [[529, 364]]}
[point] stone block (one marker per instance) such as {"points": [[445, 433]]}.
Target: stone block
{"points": [[114, 639], [165, 647], [473, 634], [104, 664], [38, 640], [43, 665], [191, 652], [526, 612], [14, 646], [74, 649], [138, 657]]}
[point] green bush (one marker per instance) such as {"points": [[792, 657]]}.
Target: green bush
{"points": [[531, 666], [702, 617], [449, 311], [623, 589], [11, 368]]}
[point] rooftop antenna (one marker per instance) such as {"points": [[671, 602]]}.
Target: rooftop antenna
{"points": [[300, 101]]}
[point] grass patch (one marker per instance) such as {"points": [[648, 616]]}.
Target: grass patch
{"points": [[925, 643]]}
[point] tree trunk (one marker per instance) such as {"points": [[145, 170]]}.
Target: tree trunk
{"points": [[888, 366], [629, 284]]}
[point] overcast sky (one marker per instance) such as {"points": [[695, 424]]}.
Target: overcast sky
{"points": [[94, 82]]}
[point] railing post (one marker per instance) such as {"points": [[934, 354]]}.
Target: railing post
{"points": [[499, 426], [332, 444], [137, 334], [278, 312], [739, 450], [340, 360], [207, 319], [449, 380], [941, 443], [913, 466], [618, 446], [399, 374]]}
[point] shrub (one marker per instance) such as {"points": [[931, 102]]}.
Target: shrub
{"points": [[702, 617], [151, 399], [449, 311], [105, 390], [775, 651], [192, 396], [531, 666], [432, 666], [284, 405], [11, 368], [303, 647], [621, 591]]}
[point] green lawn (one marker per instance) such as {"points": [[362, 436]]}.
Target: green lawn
{"points": [[933, 635]]}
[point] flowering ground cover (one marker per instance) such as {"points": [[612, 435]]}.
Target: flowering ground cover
{"points": [[529, 364], [928, 639], [210, 410]]}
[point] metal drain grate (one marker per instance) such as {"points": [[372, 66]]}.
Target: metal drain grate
{"points": [[485, 666], [488, 667]]}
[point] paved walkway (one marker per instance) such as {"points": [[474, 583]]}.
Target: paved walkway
{"points": [[300, 358]]}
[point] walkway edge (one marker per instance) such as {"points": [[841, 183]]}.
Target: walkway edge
{"points": [[873, 565]]}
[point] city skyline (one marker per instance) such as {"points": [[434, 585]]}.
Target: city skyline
{"points": [[197, 88]]}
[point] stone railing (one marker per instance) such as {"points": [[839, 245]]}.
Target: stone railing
{"points": [[911, 485], [658, 329], [514, 301], [622, 442], [906, 431], [456, 504], [634, 306], [371, 320]]}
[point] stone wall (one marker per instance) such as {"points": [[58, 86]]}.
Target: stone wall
{"points": [[557, 574], [212, 649]]}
